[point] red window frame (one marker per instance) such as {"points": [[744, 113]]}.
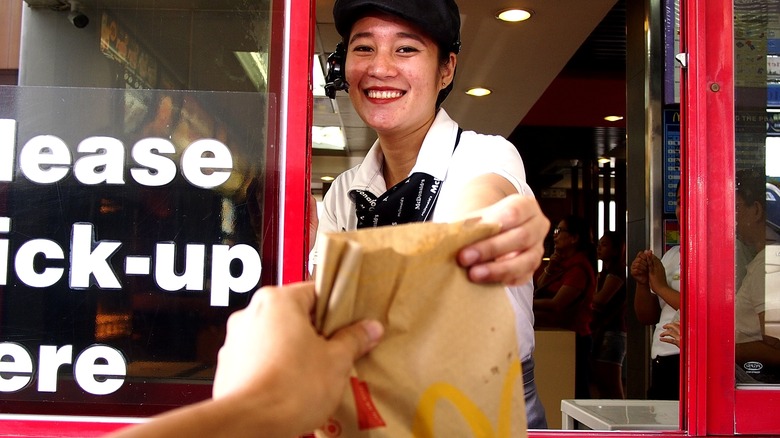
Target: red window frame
{"points": [[710, 403], [296, 183], [293, 24], [707, 103]]}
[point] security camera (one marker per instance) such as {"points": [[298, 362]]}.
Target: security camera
{"points": [[78, 19], [75, 16]]}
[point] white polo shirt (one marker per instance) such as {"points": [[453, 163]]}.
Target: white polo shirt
{"points": [[475, 155], [671, 263]]}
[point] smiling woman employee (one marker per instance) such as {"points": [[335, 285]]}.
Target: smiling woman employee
{"points": [[397, 60]]}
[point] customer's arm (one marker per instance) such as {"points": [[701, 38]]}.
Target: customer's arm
{"points": [[276, 377]]}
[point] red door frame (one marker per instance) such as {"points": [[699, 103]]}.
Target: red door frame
{"points": [[293, 33], [710, 404], [296, 184], [708, 254], [713, 405]]}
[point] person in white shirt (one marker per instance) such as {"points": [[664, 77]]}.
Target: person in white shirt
{"points": [[656, 302], [397, 59]]}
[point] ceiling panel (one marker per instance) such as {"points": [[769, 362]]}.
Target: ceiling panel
{"points": [[564, 67]]}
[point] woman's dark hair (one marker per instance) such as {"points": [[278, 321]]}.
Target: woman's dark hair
{"points": [[579, 227], [751, 186], [617, 241]]}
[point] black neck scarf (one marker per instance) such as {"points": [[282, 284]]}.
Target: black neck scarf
{"points": [[411, 200]]}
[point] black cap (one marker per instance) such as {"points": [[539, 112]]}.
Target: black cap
{"points": [[439, 18]]}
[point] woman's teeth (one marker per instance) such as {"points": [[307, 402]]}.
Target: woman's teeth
{"points": [[375, 94]]}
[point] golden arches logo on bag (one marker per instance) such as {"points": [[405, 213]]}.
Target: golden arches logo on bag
{"points": [[478, 422]]}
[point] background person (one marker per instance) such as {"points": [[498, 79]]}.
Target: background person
{"points": [[656, 301], [609, 319], [760, 287], [398, 60], [759, 292], [564, 293]]}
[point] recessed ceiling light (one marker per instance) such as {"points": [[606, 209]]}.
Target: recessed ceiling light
{"points": [[478, 91], [613, 118], [328, 137], [255, 65], [514, 15]]}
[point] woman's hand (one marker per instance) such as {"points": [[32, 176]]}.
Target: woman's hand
{"points": [[511, 256], [672, 334], [656, 273], [554, 265], [639, 267]]}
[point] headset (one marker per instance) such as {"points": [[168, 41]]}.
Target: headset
{"points": [[335, 79]]}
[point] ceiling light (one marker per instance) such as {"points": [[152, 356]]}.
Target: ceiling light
{"points": [[604, 160], [255, 65], [478, 91], [613, 118], [318, 77], [327, 178], [514, 15], [328, 137]]}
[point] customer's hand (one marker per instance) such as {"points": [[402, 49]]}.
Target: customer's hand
{"points": [[512, 256], [273, 355], [276, 376]]}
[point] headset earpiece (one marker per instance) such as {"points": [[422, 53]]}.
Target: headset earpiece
{"points": [[335, 77]]}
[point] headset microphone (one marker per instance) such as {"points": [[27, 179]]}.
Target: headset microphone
{"points": [[335, 79]]}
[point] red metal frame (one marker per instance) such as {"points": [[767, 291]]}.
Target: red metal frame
{"points": [[708, 254], [297, 148], [710, 404], [297, 185], [714, 406], [43, 427]]}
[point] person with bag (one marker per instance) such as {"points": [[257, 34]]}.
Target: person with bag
{"points": [[397, 61], [564, 293]]}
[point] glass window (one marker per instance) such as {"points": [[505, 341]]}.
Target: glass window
{"points": [[135, 169], [757, 199]]}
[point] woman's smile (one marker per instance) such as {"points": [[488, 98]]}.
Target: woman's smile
{"points": [[384, 94]]}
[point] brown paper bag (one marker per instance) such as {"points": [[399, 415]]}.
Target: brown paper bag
{"points": [[448, 364]]}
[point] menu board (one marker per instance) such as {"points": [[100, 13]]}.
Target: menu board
{"points": [[671, 159], [671, 16]]}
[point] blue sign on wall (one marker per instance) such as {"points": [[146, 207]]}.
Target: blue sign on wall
{"points": [[671, 158]]}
